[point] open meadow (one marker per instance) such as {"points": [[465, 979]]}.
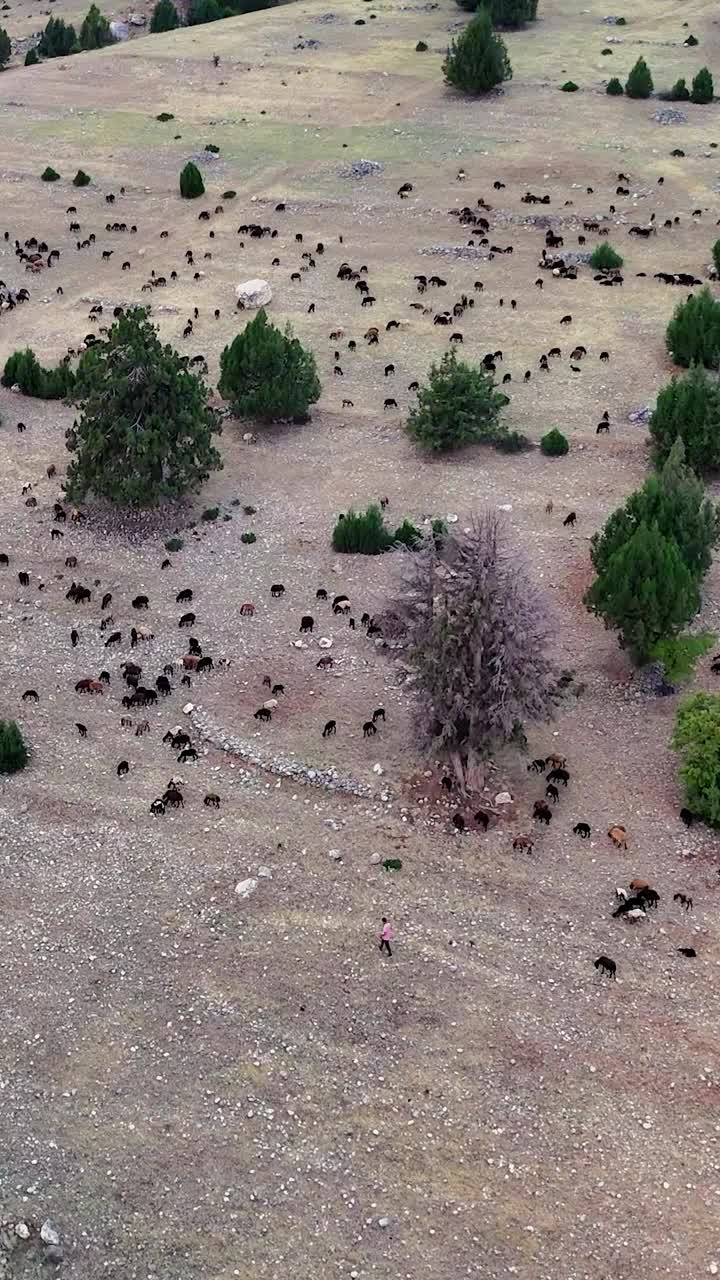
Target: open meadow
{"points": [[199, 1085]]}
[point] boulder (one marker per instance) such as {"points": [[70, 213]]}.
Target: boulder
{"points": [[254, 294], [119, 30]]}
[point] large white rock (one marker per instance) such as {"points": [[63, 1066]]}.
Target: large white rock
{"points": [[244, 888], [254, 293]]}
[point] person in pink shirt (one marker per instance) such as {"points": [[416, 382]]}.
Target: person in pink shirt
{"points": [[387, 935]]}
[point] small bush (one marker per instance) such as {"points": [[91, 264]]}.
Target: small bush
{"points": [[605, 53], [31, 58], [679, 654], [620, 22], [639, 82], [248, 537], [49, 175], [362, 533], [249, 510], [512, 442], [691, 42], [605, 258], [229, 195], [421, 47], [703, 89], [13, 752], [210, 514], [407, 534], [174, 544], [191, 183], [614, 88], [24, 370], [569, 87], [165, 116], [697, 739], [212, 148], [554, 444], [439, 532], [81, 179], [679, 91]]}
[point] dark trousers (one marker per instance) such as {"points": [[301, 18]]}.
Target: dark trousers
{"points": [[385, 946]]}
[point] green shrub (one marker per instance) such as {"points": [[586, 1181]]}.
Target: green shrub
{"points": [[407, 534], [57, 40], [13, 752], [165, 116], [620, 22], [691, 42], [679, 91], [554, 444], [439, 532], [248, 537], [165, 17], [95, 31], [688, 408], [511, 442], [229, 195], [191, 183], [614, 88], [716, 256], [31, 58], [477, 61], [212, 148], [392, 864], [679, 654], [421, 47], [210, 514], [361, 533], [693, 334], [174, 544], [604, 258], [49, 175], [639, 82], [81, 179], [460, 405], [22, 369], [606, 53], [703, 89], [5, 48], [505, 13], [569, 87], [202, 11], [697, 740], [267, 374]]}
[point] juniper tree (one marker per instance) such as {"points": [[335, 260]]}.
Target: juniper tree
{"points": [[191, 183], [145, 429], [164, 17], [13, 752], [267, 374], [57, 40], [5, 48], [477, 61], [703, 89], [95, 31], [477, 632], [688, 408], [459, 405], [693, 334], [639, 83]]}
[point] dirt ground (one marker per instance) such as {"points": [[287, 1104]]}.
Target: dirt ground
{"points": [[197, 1085]]}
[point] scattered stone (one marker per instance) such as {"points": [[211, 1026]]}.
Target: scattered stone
{"points": [[334, 855], [670, 116], [244, 888], [640, 415], [119, 30], [188, 708], [383, 1222], [48, 1233], [325, 642], [22, 1230], [364, 169], [254, 294], [503, 797], [265, 873], [377, 768], [375, 859]]}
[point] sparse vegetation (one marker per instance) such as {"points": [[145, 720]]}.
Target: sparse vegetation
{"points": [[697, 740], [639, 83], [477, 61], [267, 374], [459, 405], [210, 514], [212, 148], [145, 429], [716, 256], [512, 442], [693, 334], [605, 258], [703, 89], [361, 533], [554, 444], [165, 17], [505, 13], [248, 537], [679, 654], [191, 183], [407, 535], [13, 752], [229, 195]]}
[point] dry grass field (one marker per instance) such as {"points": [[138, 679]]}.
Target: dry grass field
{"points": [[194, 1085]]}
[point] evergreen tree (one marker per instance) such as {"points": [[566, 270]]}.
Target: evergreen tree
{"points": [[145, 430], [81, 179], [716, 256], [554, 444], [57, 40], [673, 499], [267, 374], [689, 408], [95, 31], [693, 334], [477, 633], [191, 183], [697, 738], [639, 82], [5, 48], [477, 61], [505, 13], [13, 752], [201, 11], [31, 58], [703, 89], [164, 17], [614, 87], [646, 591], [23, 369], [679, 91], [362, 533], [460, 405]]}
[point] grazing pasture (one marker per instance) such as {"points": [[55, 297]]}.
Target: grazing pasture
{"points": [[203, 1083]]}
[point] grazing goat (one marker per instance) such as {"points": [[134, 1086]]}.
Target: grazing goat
{"points": [[582, 829], [604, 964], [684, 901], [618, 836]]}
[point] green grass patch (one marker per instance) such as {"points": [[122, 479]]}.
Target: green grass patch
{"points": [[680, 653]]}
